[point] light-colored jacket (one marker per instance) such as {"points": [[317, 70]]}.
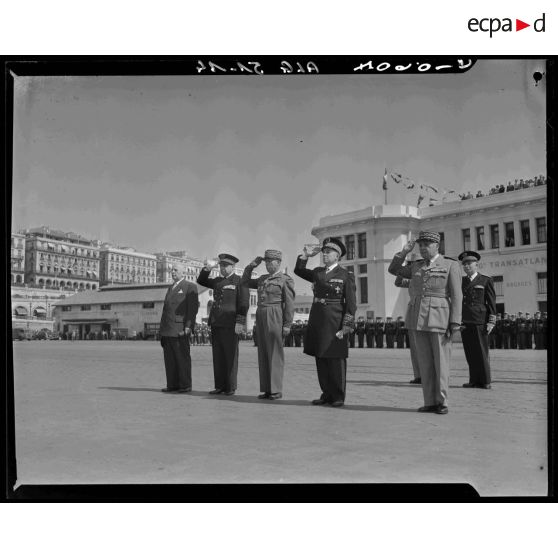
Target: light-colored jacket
{"points": [[434, 290]]}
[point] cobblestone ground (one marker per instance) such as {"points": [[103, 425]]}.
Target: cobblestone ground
{"points": [[92, 412]]}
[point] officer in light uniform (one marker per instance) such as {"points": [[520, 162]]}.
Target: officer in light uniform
{"points": [[479, 318], [433, 314], [274, 318], [331, 318]]}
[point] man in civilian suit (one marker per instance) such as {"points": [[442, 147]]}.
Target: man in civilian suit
{"points": [[433, 314], [479, 318], [226, 319], [177, 322]]}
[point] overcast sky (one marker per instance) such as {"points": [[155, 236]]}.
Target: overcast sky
{"points": [[243, 163]]}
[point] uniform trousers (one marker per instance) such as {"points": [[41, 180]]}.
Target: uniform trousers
{"points": [[505, 340], [475, 345], [360, 337], [178, 363], [433, 353], [389, 340], [271, 359], [414, 360], [332, 375], [379, 340], [528, 339], [224, 346], [400, 340], [370, 340], [513, 340], [539, 341]]}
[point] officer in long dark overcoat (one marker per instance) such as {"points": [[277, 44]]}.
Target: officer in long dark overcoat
{"points": [[178, 319], [478, 319], [331, 317], [227, 319]]}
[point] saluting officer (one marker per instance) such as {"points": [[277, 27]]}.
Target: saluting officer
{"points": [[360, 331], [331, 317], [379, 332], [226, 319], [479, 318], [390, 328], [433, 314], [274, 318], [404, 283]]}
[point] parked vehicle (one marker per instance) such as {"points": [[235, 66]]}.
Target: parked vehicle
{"points": [[20, 334]]}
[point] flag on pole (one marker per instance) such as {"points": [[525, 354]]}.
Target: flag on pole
{"points": [[384, 181]]}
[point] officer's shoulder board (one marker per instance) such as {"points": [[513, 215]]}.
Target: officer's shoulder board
{"points": [[448, 258]]}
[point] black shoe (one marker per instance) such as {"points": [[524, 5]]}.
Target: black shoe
{"points": [[338, 403], [469, 385], [416, 381], [319, 402], [427, 409], [215, 391], [274, 396], [264, 395], [231, 392], [441, 410], [484, 386], [185, 390], [169, 390]]}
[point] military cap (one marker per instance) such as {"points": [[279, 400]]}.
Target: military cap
{"points": [[273, 255], [378, 317], [469, 256], [334, 244], [428, 236], [399, 317], [228, 259], [388, 318]]}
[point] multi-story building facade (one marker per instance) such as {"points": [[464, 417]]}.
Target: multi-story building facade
{"points": [[126, 266], [17, 259], [508, 230], [192, 266], [56, 259]]}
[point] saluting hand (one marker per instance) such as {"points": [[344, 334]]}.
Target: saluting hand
{"points": [[315, 250], [256, 261], [409, 246]]}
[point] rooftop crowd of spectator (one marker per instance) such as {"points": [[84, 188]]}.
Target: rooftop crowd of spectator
{"points": [[519, 184]]}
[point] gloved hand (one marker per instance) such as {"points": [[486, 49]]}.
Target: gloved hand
{"points": [[489, 328], [163, 339], [238, 329], [286, 331]]}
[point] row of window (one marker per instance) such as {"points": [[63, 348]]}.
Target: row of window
{"points": [[132, 259], [541, 283], [66, 260], [509, 234], [150, 273], [87, 307], [60, 248], [17, 243]]}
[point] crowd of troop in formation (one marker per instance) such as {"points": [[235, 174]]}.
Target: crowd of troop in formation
{"points": [[442, 301], [519, 184]]}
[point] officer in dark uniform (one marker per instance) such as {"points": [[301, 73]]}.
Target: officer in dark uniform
{"points": [[400, 332], [478, 318], [520, 324], [506, 331], [369, 332], [545, 329], [528, 331], [360, 331], [513, 331], [298, 333], [331, 318], [538, 331], [390, 329], [498, 331], [226, 319], [379, 332]]}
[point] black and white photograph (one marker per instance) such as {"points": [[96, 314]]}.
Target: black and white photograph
{"points": [[267, 272]]}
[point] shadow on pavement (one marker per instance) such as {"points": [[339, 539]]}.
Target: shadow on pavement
{"points": [[505, 381], [380, 383], [130, 389]]}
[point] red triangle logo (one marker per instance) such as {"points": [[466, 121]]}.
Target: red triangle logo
{"points": [[519, 25]]}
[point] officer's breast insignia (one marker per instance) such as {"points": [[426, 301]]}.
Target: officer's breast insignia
{"points": [[336, 281], [478, 287], [230, 287]]}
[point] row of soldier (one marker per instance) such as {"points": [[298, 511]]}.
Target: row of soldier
{"points": [[520, 331]]}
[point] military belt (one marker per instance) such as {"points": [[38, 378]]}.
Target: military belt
{"points": [[433, 294], [328, 300], [261, 305]]}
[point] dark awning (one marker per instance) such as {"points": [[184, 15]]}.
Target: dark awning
{"points": [[21, 312]]}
